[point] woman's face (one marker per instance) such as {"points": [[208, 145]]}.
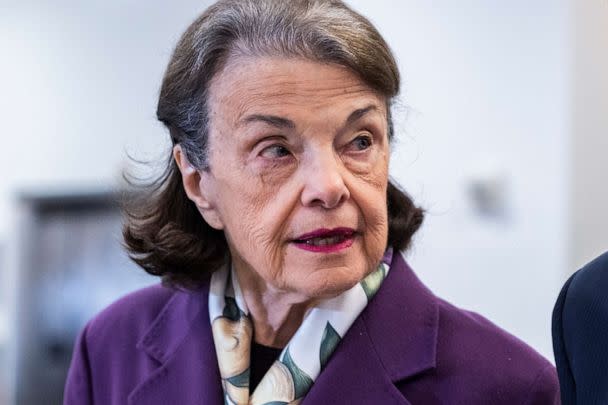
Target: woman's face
{"points": [[298, 173]]}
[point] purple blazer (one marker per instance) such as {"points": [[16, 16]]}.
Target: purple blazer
{"points": [[154, 347]]}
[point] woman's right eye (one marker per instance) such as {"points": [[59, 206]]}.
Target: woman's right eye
{"points": [[274, 152]]}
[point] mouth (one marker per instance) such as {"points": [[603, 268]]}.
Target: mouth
{"points": [[326, 240]]}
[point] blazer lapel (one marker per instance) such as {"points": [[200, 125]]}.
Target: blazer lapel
{"points": [[394, 339], [180, 341]]}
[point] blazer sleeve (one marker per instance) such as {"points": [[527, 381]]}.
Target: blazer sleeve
{"points": [[78, 387]]}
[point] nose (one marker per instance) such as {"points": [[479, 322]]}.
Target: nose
{"points": [[324, 184]]}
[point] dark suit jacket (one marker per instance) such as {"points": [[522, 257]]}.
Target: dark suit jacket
{"points": [[580, 335], [154, 347]]}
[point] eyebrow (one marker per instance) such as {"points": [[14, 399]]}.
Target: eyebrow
{"points": [[273, 120], [359, 113], [280, 122]]}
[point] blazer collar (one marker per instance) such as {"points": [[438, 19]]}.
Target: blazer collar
{"points": [[393, 339], [403, 321], [161, 341], [180, 341]]}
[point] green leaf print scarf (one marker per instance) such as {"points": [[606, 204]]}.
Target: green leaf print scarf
{"points": [[292, 375]]}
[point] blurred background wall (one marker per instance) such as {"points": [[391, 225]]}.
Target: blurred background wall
{"points": [[503, 126], [589, 131]]}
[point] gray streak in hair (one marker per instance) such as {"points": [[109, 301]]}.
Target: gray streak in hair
{"points": [[326, 31]]}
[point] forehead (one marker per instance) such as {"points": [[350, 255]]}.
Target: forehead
{"points": [[288, 87]]}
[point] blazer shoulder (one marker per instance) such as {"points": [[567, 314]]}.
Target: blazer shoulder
{"points": [[130, 315], [108, 343], [498, 363]]}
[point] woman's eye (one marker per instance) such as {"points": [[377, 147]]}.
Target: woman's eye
{"points": [[274, 152], [362, 142]]}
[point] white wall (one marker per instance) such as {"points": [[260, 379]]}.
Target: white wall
{"points": [[486, 94], [80, 81], [589, 182]]}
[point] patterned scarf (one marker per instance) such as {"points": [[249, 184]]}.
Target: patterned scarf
{"points": [[291, 376]]}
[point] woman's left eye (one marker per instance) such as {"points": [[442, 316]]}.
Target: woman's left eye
{"points": [[362, 142], [274, 152]]}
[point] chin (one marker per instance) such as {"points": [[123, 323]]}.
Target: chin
{"points": [[329, 282]]}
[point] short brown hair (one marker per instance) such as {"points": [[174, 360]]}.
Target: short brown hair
{"points": [[164, 232]]}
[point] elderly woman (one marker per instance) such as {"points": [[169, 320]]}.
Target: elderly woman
{"points": [[278, 234]]}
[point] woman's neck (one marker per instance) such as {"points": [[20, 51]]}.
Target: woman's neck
{"points": [[276, 314]]}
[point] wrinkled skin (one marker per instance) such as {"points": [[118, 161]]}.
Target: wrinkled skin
{"points": [[271, 180]]}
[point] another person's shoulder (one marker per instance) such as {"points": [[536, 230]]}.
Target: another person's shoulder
{"points": [[587, 288], [499, 365], [580, 316], [580, 332]]}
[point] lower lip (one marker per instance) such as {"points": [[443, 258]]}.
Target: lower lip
{"points": [[345, 244]]}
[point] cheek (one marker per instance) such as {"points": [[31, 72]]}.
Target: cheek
{"points": [[370, 197], [257, 214], [376, 223], [376, 233]]}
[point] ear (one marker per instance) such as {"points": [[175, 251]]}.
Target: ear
{"points": [[199, 187]]}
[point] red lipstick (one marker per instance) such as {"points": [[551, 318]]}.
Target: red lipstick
{"points": [[326, 240]]}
